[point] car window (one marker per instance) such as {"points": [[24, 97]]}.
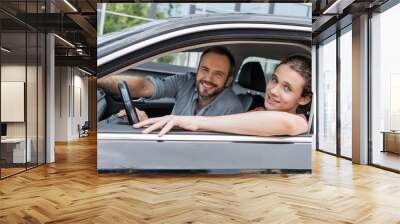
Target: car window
{"points": [[186, 59], [268, 65]]}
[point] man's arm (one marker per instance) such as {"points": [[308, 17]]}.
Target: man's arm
{"points": [[138, 86], [260, 123]]}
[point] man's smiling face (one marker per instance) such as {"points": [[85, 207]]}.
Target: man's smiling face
{"points": [[212, 75]]}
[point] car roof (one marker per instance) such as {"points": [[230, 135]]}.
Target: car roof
{"points": [[157, 27], [117, 51], [202, 19]]}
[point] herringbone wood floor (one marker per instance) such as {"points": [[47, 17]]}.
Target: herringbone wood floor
{"points": [[71, 191]]}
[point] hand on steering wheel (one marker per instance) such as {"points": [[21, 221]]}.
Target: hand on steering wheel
{"points": [[141, 114], [126, 98]]}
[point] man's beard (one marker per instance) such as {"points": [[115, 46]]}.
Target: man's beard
{"points": [[208, 94]]}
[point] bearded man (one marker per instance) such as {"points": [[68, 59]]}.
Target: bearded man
{"points": [[206, 93]]}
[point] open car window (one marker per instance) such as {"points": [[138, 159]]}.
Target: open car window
{"points": [[174, 47], [186, 61]]}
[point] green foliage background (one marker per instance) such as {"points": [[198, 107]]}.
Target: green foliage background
{"points": [[114, 23]]}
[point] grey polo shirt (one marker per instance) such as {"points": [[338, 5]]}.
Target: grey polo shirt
{"points": [[183, 89]]}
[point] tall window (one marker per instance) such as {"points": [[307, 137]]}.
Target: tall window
{"points": [[327, 95], [345, 92], [385, 88]]}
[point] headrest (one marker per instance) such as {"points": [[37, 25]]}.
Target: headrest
{"points": [[251, 76]]}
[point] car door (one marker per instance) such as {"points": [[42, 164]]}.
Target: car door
{"points": [[122, 148]]}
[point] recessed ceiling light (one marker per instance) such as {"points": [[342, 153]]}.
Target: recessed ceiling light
{"points": [[64, 40], [70, 5], [5, 49], [88, 73], [337, 7]]}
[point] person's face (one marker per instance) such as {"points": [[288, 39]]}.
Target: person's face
{"points": [[283, 92], [212, 75]]}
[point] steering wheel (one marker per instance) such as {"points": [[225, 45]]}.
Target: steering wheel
{"points": [[126, 98]]}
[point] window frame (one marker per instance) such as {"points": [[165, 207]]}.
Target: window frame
{"points": [[337, 35], [380, 9]]}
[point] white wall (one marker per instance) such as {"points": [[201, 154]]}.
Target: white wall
{"points": [[12, 101], [61, 103], [14, 72], [33, 106], [71, 94], [50, 95]]}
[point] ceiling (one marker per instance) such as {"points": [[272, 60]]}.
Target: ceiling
{"points": [[72, 20], [331, 15], [75, 21]]}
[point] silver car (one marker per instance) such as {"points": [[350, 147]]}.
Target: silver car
{"points": [[144, 50]]}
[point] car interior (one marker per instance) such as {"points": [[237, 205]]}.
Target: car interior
{"points": [[254, 64]]}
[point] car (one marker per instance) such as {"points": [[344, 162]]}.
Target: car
{"points": [[255, 40]]}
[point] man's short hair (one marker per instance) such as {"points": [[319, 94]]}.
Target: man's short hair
{"points": [[221, 51]]}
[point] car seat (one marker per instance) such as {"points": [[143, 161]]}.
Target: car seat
{"points": [[101, 104], [251, 77]]}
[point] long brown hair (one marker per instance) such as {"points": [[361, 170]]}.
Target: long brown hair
{"points": [[302, 65]]}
